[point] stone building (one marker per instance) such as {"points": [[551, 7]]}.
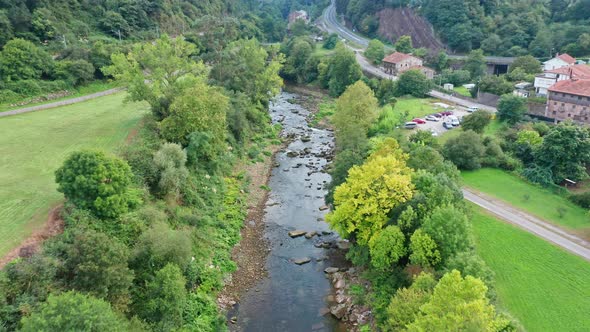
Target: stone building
{"points": [[569, 99], [397, 63]]}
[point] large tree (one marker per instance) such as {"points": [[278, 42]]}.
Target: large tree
{"points": [[465, 150], [21, 59], [404, 44], [158, 72], [97, 182], [413, 82], [476, 64], [371, 191], [245, 66], [477, 121], [342, 70], [375, 51], [449, 228], [356, 110], [511, 108], [565, 151], [72, 311]]}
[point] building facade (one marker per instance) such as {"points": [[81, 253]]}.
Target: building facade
{"points": [[569, 100], [560, 60], [550, 77], [397, 63]]}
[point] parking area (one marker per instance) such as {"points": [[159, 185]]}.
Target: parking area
{"points": [[437, 126]]}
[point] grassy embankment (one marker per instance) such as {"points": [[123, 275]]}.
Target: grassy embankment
{"points": [[34, 145], [544, 287], [462, 91], [91, 88], [532, 199]]}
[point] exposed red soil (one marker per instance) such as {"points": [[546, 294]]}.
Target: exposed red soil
{"points": [[31, 245], [394, 23]]}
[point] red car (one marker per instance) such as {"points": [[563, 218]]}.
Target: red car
{"points": [[419, 121], [446, 113]]}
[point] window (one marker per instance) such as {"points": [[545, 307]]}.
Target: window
{"points": [[554, 103], [569, 115], [554, 112], [562, 104]]}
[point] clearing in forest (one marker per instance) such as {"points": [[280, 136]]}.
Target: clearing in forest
{"points": [[34, 145]]}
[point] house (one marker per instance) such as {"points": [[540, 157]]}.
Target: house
{"points": [[298, 15], [569, 99], [522, 89], [560, 60], [397, 63], [550, 77]]}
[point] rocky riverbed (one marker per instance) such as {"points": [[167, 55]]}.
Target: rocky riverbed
{"points": [[304, 255]]}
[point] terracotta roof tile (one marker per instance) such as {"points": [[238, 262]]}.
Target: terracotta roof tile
{"points": [[397, 57], [567, 58], [579, 87], [578, 71]]}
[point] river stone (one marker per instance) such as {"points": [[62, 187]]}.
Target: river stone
{"points": [[340, 298], [305, 139], [317, 326], [301, 261], [343, 245], [309, 235], [338, 310], [292, 154], [296, 233], [323, 311], [324, 208], [330, 270], [340, 284]]}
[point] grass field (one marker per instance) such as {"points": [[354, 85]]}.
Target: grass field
{"points": [[491, 130], [34, 145], [462, 91], [539, 202], [544, 287]]}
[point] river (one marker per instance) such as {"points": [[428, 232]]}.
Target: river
{"points": [[294, 297]]}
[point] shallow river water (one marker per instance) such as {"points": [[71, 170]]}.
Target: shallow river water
{"points": [[293, 297]]}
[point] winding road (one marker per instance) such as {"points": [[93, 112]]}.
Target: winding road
{"points": [[540, 228]]}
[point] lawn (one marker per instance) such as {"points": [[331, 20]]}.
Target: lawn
{"points": [[34, 145], [491, 130], [462, 91], [544, 287], [416, 107], [530, 198]]}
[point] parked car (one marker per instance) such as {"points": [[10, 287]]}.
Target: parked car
{"points": [[453, 120], [431, 117], [446, 113], [434, 133], [419, 121], [438, 115], [410, 125], [448, 125], [472, 109]]}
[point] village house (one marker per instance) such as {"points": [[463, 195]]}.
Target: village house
{"points": [[298, 15], [560, 60], [569, 99], [397, 63], [550, 77]]}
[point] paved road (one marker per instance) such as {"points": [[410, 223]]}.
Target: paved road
{"points": [[530, 224], [60, 103]]}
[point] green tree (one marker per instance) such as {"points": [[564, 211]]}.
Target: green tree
{"points": [[476, 64], [387, 247], [170, 160], [245, 66], [356, 109], [201, 108], [511, 108], [75, 72], [342, 70], [458, 304], [404, 44], [165, 299], [449, 228], [497, 85], [21, 59], [370, 192], [375, 52], [298, 55], [331, 41], [565, 151], [404, 307], [423, 250], [72, 311], [95, 263], [413, 82], [528, 63], [99, 183], [465, 150], [477, 121], [158, 72]]}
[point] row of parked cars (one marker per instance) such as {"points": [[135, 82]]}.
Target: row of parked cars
{"points": [[449, 120]]}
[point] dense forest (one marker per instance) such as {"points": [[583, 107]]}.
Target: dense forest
{"points": [[510, 28]]}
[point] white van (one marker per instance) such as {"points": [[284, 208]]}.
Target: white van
{"points": [[454, 121], [410, 125]]}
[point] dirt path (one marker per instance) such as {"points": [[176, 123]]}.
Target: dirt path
{"points": [[61, 103], [31, 245], [531, 224]]}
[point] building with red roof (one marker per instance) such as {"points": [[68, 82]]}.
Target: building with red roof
{"points": [[569, 99], [397, 63], [550, 77], [560, 60]]}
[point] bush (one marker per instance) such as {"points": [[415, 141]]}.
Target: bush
{"points": [[465, 150], [582, 199], [9, 97], [75, 72]]}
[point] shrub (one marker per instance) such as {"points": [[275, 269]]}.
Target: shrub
{"points": [[170, 161], [75, 72], [582, 199], [465, 150]]}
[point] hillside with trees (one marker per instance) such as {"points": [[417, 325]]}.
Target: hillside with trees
{"points": [[508, 28]]}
